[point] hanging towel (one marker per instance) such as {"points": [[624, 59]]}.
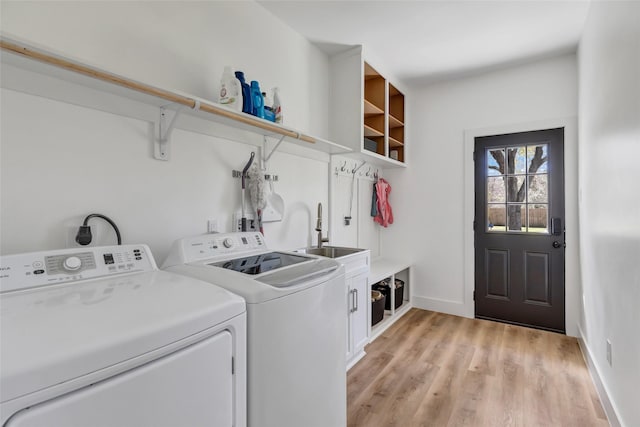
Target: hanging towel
{"points": [[385, 214], [374, 201]]}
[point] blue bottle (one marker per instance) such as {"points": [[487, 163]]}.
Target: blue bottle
{"points": [[257, 100], [247, 105]]}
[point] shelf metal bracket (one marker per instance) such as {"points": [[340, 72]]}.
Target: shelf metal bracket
{"points": [[166, 122], [266, 159]]}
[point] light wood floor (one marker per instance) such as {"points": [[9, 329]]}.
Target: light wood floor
{"points": [[434, 369]]}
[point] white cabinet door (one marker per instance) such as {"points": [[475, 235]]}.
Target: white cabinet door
{"points": [[358, 305], [359, 316]]}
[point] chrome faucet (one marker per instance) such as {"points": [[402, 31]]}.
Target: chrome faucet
{"points": [[321, 239]]}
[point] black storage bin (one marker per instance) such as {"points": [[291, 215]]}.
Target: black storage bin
{"points": [[377, 309], [383, 286], [399, 293]]}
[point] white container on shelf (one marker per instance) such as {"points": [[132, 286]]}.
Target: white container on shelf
{"points": [[277, 106], [230, 90]]}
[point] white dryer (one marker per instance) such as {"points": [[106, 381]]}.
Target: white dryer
{"points": [[100, 337], [296, 308]]}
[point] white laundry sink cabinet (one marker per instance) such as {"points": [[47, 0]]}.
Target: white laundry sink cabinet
{"points": [[357, 266]]}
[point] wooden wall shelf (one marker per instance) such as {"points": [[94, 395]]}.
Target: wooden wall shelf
{"points": [[369, 131], [24, 57], [394, 123], [370, 109], [395, 143]]}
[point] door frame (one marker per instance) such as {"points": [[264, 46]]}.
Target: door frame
{"points": [[573, 288]]}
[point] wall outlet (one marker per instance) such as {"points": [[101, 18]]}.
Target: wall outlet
{"points": [[212, 225], [609, 358]]}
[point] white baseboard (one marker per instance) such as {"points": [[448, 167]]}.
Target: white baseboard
{"points": [[607, 404], [455, 308], [351, 363]]}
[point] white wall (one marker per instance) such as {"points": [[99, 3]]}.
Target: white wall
{"points": [[61, 161], [609, 93], [183, 46], [435, 207]]}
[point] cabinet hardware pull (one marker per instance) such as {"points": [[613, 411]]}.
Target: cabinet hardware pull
{"points": [[352, 309]]}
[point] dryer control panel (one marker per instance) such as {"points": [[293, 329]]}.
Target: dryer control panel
{"points": [[23, 271]]}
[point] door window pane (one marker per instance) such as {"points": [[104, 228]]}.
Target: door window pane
{"points": [[495, 162], [516, 217], [538, 189], [537, 160], [516, 192], [496, 217], [495, 189], [516, 160], [538, 218]]}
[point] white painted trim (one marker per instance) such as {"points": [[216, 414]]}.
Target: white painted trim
{"points": [[572, 263], [601, 388], [456, 308]]}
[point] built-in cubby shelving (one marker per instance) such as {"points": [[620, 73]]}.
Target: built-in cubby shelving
{"points": [[369, 110], [389, 269], [40, 72]]}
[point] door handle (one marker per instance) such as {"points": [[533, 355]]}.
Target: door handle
{"points": [[558, 244], [355, 300], [351, 292]]}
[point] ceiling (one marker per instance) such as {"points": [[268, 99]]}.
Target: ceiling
{"points": [[424, 41]]}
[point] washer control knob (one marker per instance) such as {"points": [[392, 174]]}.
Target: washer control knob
{"points": [[72, 263], [228, 242]]}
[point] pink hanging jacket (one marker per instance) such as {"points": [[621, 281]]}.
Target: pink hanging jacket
{"points": [[385, 214]]}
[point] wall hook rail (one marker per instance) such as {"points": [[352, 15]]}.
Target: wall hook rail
{"points": [[267, 177], [354, 169]]}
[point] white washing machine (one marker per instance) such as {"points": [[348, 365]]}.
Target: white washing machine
{"points": [[296, 308], [100, 337]]}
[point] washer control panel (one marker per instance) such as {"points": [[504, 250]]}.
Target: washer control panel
{"points": [[211, 245], [23, 271]]}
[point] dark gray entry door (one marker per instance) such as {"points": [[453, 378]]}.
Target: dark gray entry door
{"points": [[519, 228]]}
